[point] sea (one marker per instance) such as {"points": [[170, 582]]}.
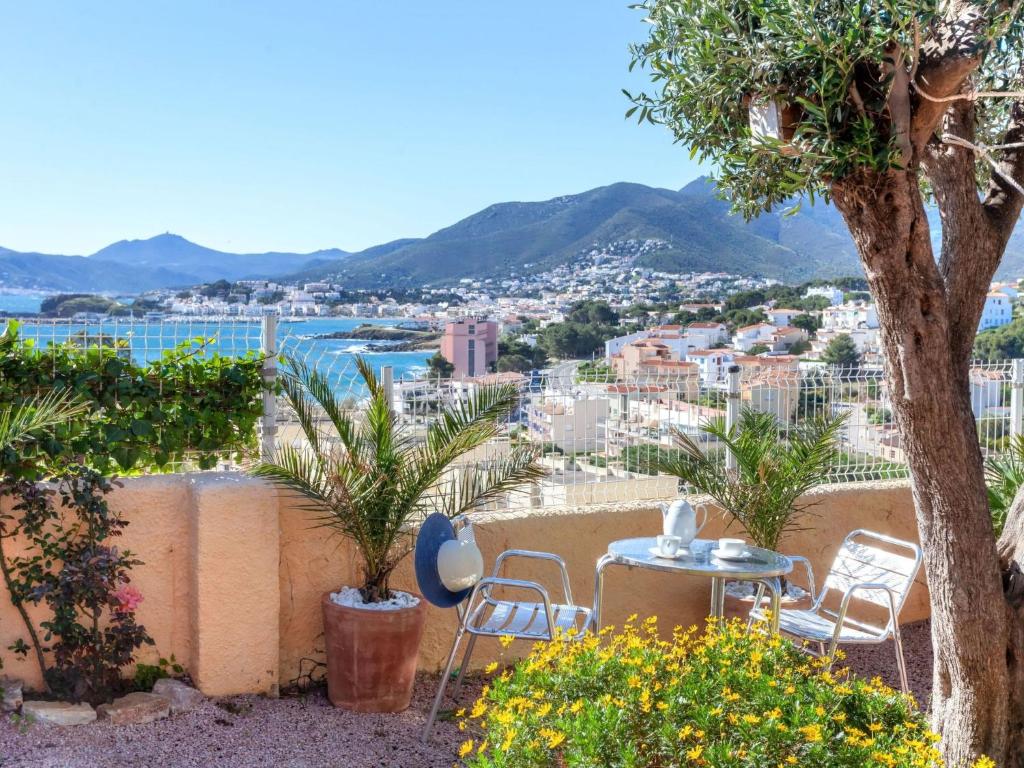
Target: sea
{"points": [[298, 338]]}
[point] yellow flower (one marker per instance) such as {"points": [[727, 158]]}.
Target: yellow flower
{"points": [[811, 732], [506, 640], [489, 669], [543, 709], [510, 736], [466, 748], [695, 752], [685, 731]]}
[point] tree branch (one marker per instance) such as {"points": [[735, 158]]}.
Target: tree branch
{"points": [[1002, 202], [953, 51], [969, 255]]}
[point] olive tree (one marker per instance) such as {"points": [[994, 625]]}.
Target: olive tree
{"points": [[881, 105]]}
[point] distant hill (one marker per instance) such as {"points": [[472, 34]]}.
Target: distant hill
{"points": [[701, 234], [503, 239], [158, 262]]}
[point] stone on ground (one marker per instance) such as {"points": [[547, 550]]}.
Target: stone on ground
{"points": [[182, 697], [10, 694], [58, 712], [135, 708]]}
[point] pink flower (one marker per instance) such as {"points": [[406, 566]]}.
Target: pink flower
{"points": [[128, 599]]}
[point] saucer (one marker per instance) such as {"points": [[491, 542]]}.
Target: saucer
{"points": [[737, 558], [679, 555]]}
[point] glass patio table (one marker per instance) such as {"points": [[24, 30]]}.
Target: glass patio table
{"points": [[763, 566]]}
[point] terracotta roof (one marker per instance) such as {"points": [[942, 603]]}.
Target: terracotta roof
{"points": [[755, 325], [635, 388], [704, 325], [706, 352]]}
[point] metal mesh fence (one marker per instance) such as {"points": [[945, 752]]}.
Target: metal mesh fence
{"points": [[601, 433]]}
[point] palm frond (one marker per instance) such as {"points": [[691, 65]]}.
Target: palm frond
{"points": [[772, 470], [19, 421]]}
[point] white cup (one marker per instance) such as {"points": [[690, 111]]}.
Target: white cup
{"points": [[669, 545], [731, 546]]}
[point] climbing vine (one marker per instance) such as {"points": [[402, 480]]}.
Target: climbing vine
{"points": [[189, 404]]}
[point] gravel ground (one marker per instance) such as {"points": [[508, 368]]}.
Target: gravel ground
{"points": [[307, 732]]}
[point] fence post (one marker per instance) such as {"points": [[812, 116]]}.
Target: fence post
{"points": [[268, 423], [732, 409], [1017, 398], [387, 382]]}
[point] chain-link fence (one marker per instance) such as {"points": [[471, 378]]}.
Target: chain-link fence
{"points": [[602, 433]]}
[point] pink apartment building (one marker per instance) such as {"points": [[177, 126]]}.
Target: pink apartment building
{"points": [[471, 345]]}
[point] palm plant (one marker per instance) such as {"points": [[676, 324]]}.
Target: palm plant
{"points": [[772, 471], [367, 478], [18, 422], [1004, 475]]}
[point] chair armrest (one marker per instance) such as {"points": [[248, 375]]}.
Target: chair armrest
{"points": [[810, 573], [845, 604], [527, 554], [483, 588]]}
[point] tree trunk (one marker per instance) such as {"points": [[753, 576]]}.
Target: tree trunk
{"points": [[929, 388]]}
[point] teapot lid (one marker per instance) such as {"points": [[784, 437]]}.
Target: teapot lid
{"points": [[679, 504]]}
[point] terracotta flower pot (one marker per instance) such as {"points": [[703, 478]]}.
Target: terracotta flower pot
{"points": [[371, 655]]}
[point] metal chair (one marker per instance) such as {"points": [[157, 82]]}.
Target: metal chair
{"points": [[864, 571], [482, 614]]}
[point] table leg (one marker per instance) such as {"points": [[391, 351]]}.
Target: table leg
{"points": [[718, 599], [775, 586], [595, 614]]}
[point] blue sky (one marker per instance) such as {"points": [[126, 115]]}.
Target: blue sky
{"points": [[251, 126]]}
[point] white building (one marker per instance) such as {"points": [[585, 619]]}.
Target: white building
{"points": [[830, 292], [782, 317], [712, 364], [572, 425], [849, 317], [998, 311], [706, 335], [759, 333]]}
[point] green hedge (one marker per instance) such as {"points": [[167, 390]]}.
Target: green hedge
{"points": [[188, 405]]}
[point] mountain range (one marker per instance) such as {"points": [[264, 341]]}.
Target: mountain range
{"points": [[695, 226], [164, 261]]}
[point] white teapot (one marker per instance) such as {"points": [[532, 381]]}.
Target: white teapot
{"points": [[680, 519]]}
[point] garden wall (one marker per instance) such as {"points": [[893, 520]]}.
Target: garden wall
{"points": [[234, 571]]}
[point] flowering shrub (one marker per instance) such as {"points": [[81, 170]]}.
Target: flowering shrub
{"points": [[724, 698], [73, 567]]}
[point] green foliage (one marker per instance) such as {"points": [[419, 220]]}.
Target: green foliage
{"points": [[757, 349], [773, 469], [826, 59], [509, 347], [514, 364], [726, 698], [439, 366], [71, 566], [809, 323], [570, 340], [745, 300], [141, 416], [591, 312], [1001, 343], [595, 371], [377, 479], [1004, 475], [842, 352], [69, 304], [877, 416], [146, 675]]}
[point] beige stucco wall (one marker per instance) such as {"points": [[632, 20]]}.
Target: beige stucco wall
{"points": [[234, 571]]}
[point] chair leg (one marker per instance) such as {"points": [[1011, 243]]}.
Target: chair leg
{"points": [[901, 663], [428, 729], [464, 667]]}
